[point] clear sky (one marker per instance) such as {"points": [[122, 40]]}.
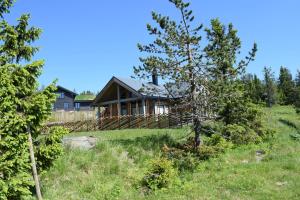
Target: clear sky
{"points": [[86, 42]]}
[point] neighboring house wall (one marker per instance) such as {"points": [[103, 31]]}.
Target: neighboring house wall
{"points": [[65, 101], [83, 105]]}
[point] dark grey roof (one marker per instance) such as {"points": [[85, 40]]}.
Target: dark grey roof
{"points": [[145, 88], [66, 90]]}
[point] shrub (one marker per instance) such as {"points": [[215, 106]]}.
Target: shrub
{"points": [[218, 142], [50, 147], [160, 174], [212, 127], [182, 159], [239, 135], [186, 157]]}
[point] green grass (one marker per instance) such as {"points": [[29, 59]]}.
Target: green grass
{"points": [[85, 97], [114, 168]]}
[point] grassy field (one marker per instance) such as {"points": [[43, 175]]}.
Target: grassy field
{"points": [[114, 168]]}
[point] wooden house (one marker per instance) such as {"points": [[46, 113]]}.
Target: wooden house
{"points": [[68, 100], [125, 96], [65, 99]]}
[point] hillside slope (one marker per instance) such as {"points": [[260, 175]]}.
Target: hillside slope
{"points": [[114, 168]]}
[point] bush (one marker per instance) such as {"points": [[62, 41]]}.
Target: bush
{"points": [[183, 159], [50, 147], [240, 135], [212, 127], [160, 174], [219, 142], [186, 157]]}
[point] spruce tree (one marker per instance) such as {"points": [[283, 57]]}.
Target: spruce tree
{"points": [[297, 79], [297, 92], [253, 88], [286, 86], [221, 53], [257, 95], [270, 87], [23, 107]]}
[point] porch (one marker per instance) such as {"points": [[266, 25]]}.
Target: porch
{"points": [[134, 107]]}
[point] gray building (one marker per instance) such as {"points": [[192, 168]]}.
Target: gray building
{"points": [[65, 99], [70, 101]]}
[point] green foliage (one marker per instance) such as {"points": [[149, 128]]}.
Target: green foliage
{"points": [[270, 87], [297, 99], [23, 107], [50, 147], [177, 56], [286, 86], [183, 159], [254, 88], [212, 147], [160, 174], [4, 6], [186, 157], [240, 135], [105, 172]]}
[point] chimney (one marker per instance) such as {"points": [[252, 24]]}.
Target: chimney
{"points": [[154, 78]]}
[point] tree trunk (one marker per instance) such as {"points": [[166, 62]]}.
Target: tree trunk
{"points": [[33, 166], [197, 128], [196, 121]]}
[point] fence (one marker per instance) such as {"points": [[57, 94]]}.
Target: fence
{"points": [[73, 116], [126, 122]]}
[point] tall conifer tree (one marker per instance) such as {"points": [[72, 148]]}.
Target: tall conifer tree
{"points": [[270, 87], [177, 56], [286, 86], [22, 106]]}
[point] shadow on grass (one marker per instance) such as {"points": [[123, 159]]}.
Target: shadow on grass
{"points": [[294, 136], [153, 142], [289, 123]]}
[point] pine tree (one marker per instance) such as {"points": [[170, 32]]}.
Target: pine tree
{"points": [[176, 55], [297, 92], [270, 87], [297, 79], [221, 52], [286, 86], [23, 107], [258, 92], [253, 88]]}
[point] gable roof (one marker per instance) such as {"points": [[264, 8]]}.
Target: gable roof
{"points": [[145, 89], [137, 87], [66, 90]]}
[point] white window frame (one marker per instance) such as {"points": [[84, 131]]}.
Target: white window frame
{"points": [[66, 106], [77, 106]]}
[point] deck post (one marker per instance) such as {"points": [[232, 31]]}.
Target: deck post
{"points": [[110, 110], [129, 113], [119, 104], [144, 107], [136, 108]]}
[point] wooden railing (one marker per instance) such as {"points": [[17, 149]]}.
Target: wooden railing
{"points": [[126, 122]]}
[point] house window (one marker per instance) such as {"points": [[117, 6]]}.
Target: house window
{"points": [[66, 106], [77, 106], [61, 95]]}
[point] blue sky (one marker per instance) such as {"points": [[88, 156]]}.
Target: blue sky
{"points": [[85, 43]]}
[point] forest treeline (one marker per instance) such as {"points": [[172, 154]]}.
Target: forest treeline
{"points": [[271, 90]]}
